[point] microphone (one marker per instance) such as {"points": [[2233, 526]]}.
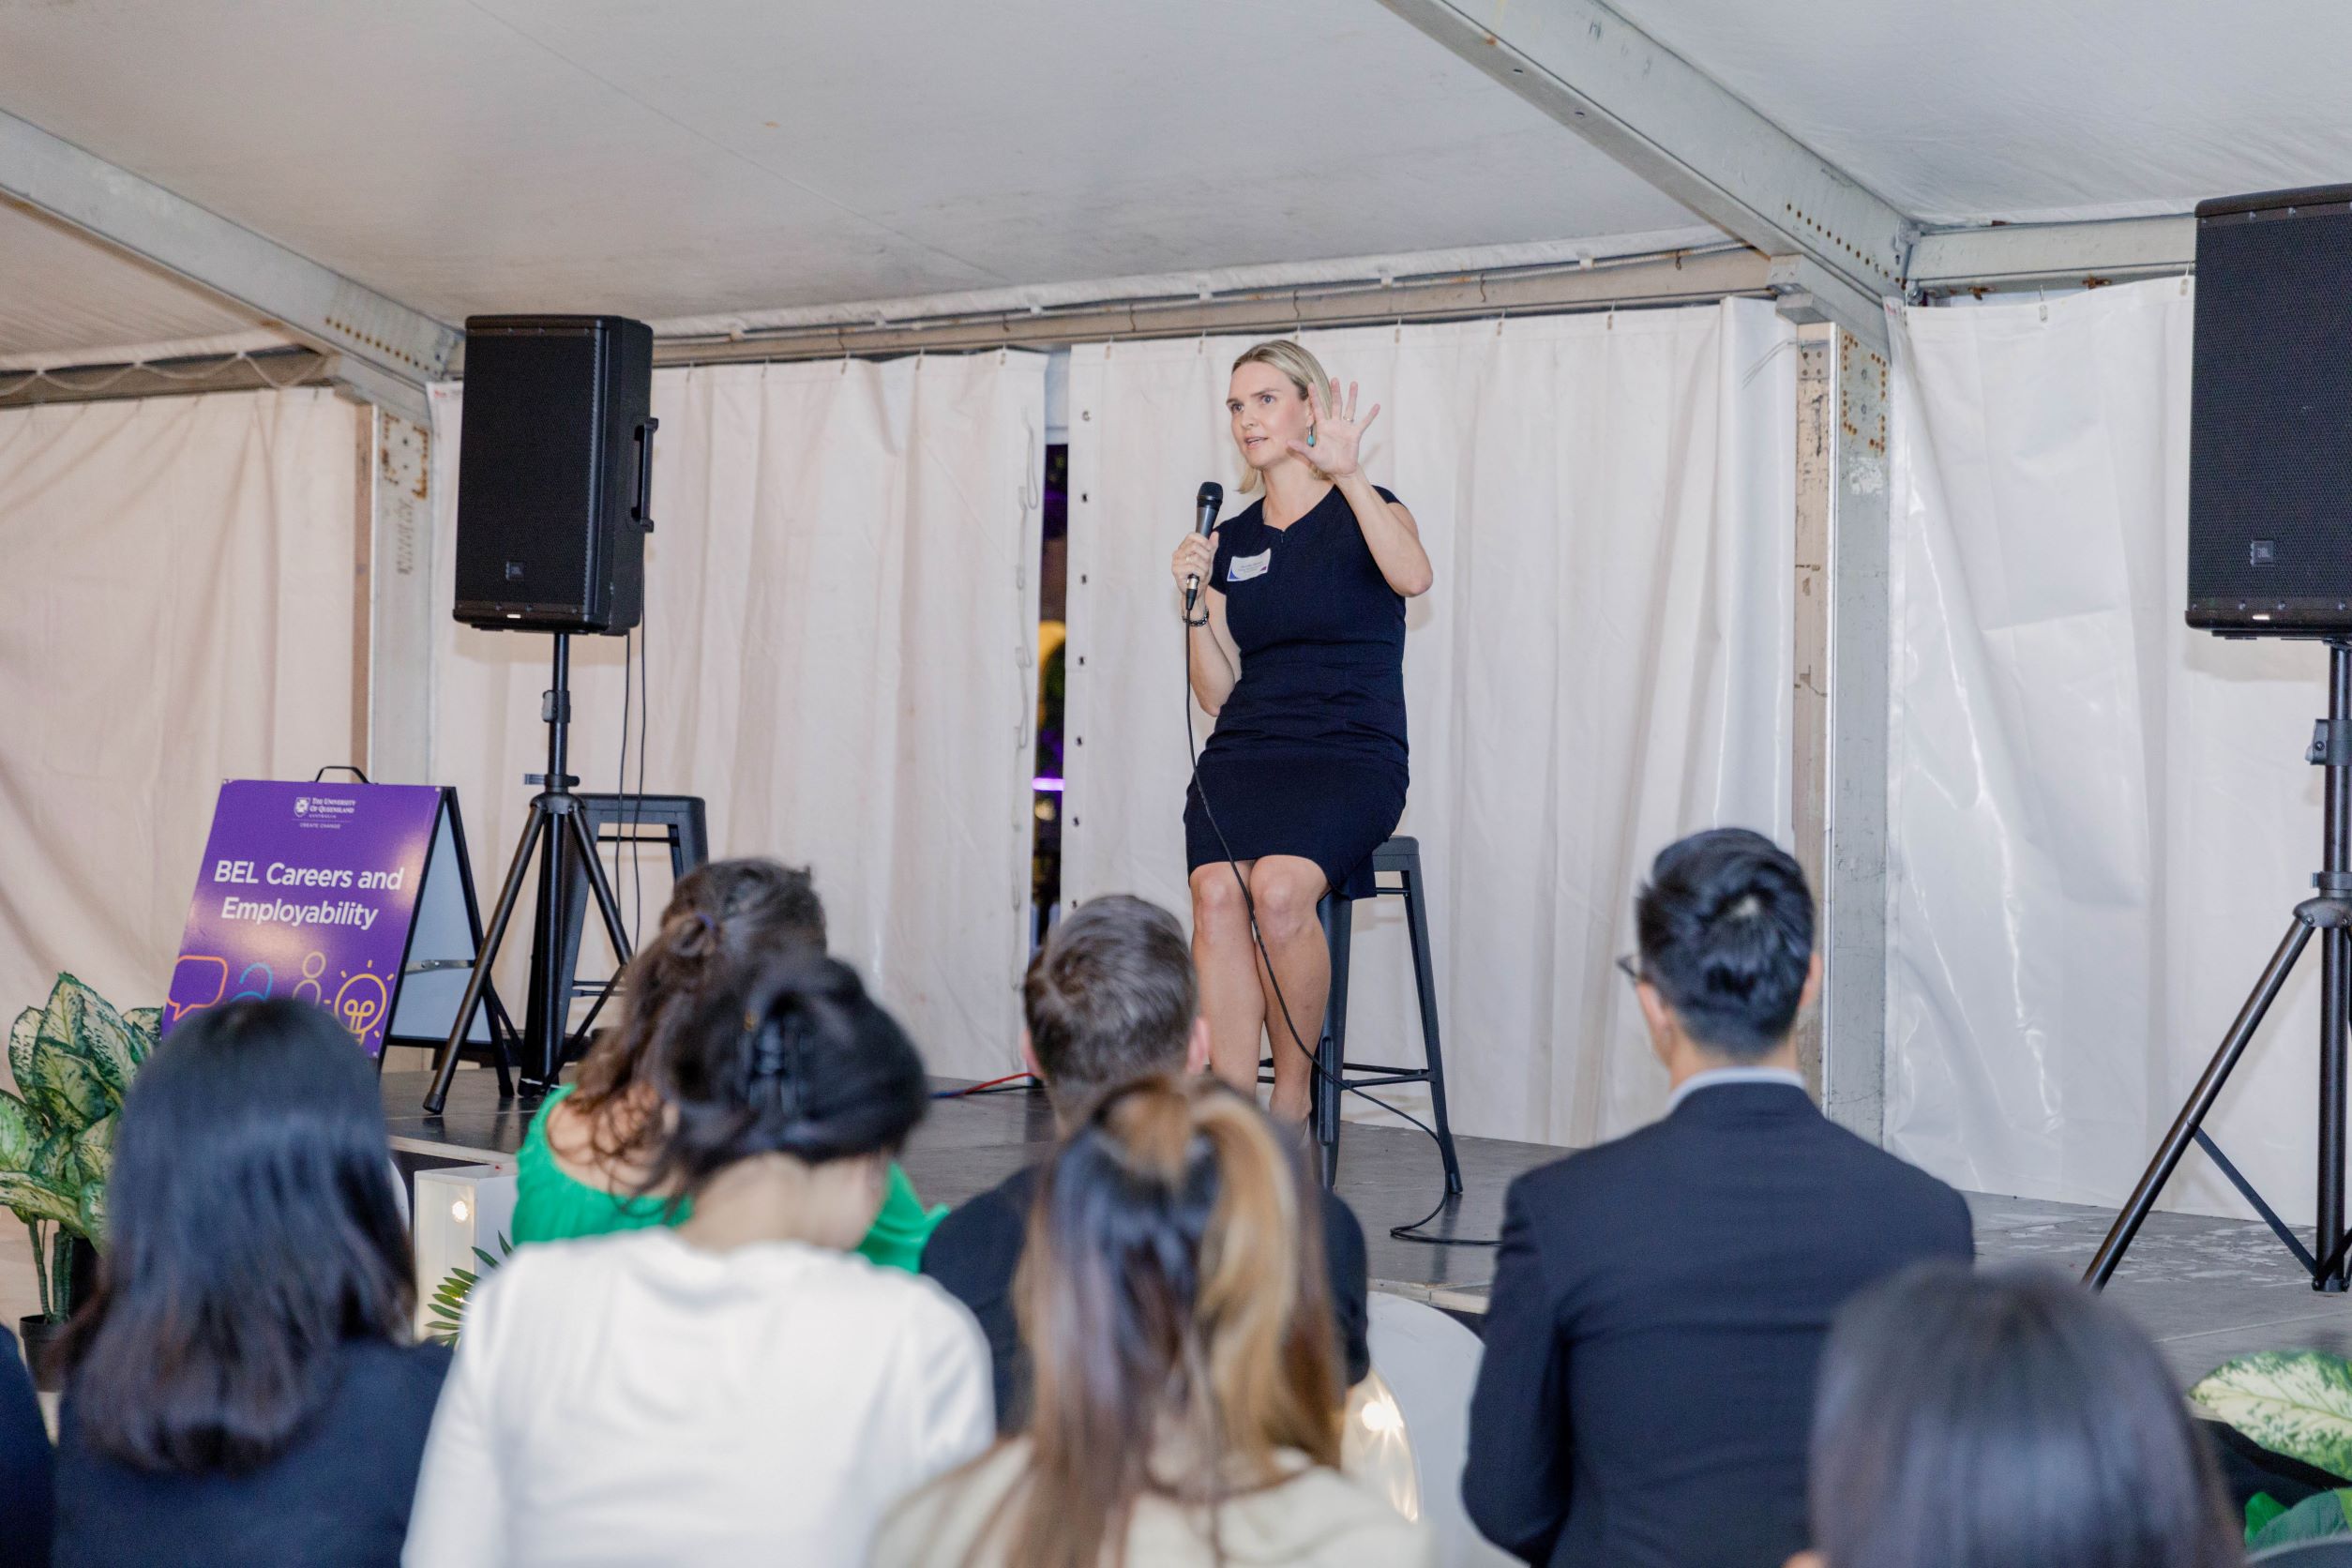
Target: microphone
{"points": [[1211, 501]]}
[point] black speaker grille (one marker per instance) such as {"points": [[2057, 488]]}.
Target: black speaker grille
{"points": [[2270, 416], [556, 409]]}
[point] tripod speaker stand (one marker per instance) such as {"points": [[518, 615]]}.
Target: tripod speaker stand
{"points": [[2330, 914], [557, 829]]}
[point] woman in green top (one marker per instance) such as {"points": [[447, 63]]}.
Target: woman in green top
{"points": [[582, 1168]]}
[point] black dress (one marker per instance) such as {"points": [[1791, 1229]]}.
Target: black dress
{"points": [[24, 1463], [337, 1497], [1308, 755]]}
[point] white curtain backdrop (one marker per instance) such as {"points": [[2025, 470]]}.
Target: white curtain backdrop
{"points": [[842, 630], [2100, 820], [177, 610], [1603, 665]]}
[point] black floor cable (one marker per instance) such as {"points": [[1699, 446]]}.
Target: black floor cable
{"points": [[1314, 1068], [634, 693], [1011, 1083], [637, 694], [620, 774], [637, 802]]}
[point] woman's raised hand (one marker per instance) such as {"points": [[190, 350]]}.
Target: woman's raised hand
{"points": [[1338, 433], [1195, 559]]}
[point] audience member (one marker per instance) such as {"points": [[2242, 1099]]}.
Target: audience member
{"points": [[1109, 998], [739, 1389], [1659, 1302], [1187, 1390], [241, 1389], [584, 1162], [1987, 1420], [24, 1465]]}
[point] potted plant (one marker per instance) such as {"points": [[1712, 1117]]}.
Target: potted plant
{"points": [[72, 1059], [448, 1302], [2297, 1403]]}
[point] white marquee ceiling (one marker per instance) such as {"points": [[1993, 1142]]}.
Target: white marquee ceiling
{"points": [[666, 160], [2024, 110], [669, 159], [61, 296]]}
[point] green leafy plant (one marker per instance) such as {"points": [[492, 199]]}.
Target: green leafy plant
{"points": [[448, 1302], [2315, 1518], [73, 1059], [2297, 1403]]}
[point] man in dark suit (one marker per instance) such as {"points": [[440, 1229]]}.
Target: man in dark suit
{"points": [[1659, 1302], [1110, 998]]}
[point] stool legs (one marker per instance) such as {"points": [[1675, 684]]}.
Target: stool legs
{"points": [[1424, 987], [1400, 857], [1330, 1047]]}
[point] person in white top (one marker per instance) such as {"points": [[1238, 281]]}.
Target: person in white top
{"points": [[744, 1389], [1186, 1384]]}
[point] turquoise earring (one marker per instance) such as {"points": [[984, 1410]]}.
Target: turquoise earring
{"points": [[1310, 435]]}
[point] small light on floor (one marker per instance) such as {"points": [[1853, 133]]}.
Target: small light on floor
{"points": [[1376, 1448]]}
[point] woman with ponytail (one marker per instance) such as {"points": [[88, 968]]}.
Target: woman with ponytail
{"points": [[737, 1390], [1187, 1391], [582, 1169]]}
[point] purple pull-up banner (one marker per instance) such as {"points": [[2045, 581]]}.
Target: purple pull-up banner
{"points": [[308, 890]]}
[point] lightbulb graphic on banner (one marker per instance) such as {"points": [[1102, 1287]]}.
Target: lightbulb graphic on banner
{"points": [[311, 892]]}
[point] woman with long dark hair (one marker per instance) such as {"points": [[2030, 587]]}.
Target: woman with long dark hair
{"points": [[583, 1166], [741, 1388], [1296, 645], [241, 1387], [1987, 1420], [1186, 1391], [27, 1494]]}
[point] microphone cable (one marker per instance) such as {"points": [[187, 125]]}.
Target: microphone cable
{"points": [[636, 801], [1411, 1232]]}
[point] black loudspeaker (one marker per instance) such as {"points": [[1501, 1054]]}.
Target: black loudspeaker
{"points": [[554, 470], [2270, 416]]}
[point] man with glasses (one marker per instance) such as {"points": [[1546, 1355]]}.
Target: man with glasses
{"points": [[1659, 1302]]}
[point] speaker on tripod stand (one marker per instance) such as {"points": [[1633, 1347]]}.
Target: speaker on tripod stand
{"points": [[2270, 555], [554, 481]]}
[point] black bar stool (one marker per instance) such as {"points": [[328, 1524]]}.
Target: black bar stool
{"points": [[634, 822], [1334, 1077]]}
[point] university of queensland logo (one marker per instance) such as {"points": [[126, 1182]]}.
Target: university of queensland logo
{"points": [[323, 810]]}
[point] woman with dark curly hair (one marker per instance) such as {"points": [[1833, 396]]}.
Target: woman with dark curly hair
{"points": [[583, 1164], [740, 1390]]}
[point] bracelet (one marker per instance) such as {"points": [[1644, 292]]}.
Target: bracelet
{"points": [[1202, 622]]}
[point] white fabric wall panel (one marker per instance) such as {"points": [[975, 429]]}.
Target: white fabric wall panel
{"points": [[841, 633], [177, 610], [2100, 819], [1602, 664]]}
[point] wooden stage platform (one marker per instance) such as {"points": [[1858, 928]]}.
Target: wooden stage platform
{"points": [[2206, 1288], [1389, 1176]]}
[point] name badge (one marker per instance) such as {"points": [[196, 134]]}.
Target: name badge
{"points": [[1243, 568]]}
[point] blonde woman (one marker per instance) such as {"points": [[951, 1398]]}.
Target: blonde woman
{"points": [[1186, 1407], [1297, 648]]}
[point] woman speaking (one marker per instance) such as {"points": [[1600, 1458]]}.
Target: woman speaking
{"points": [[1297, 648]]}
